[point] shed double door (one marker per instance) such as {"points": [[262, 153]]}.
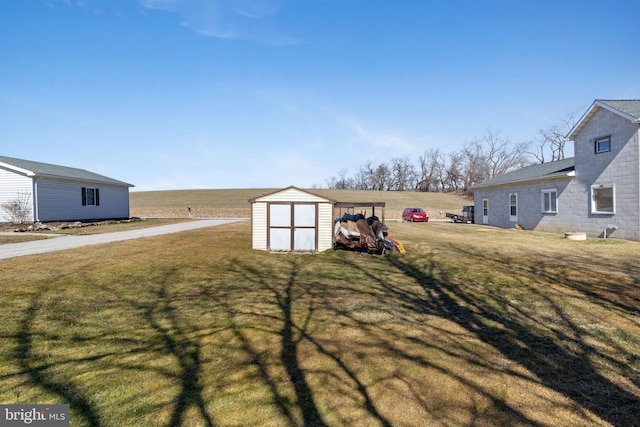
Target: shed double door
{"points": [[292, 226]]}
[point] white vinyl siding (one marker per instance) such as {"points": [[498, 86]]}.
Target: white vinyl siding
{"points": [[62, 201], [325, 226], [259, 226], [12, 187]]}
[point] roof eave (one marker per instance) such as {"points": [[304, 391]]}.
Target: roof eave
{"points": [[89, 180], [570, 174], [17, 169]]}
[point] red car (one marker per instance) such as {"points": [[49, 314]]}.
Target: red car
{"points": [[415, 215]]}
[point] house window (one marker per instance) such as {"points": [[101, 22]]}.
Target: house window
{"points": [[602, 145], [603, 199], [90, 196], [550, 201], [513, 207], [485, 211]]}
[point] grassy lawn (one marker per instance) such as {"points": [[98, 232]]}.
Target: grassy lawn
{"points": [[20, 237], [474, 326]]}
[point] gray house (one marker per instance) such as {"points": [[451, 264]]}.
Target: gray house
{"points": [[596, 192], [59, 193]]}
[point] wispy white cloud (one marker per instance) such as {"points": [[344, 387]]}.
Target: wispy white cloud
{"points": [[391, 143], [252, 20]]}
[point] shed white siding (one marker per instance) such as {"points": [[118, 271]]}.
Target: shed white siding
{"points": [[259, 225], [325, 226], [292, 196]]}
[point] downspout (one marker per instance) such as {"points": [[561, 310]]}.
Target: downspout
{"points": [[36, 214]]}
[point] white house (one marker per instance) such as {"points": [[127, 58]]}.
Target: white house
{"points": [[292, 219], [596, 192], [60, 193]]}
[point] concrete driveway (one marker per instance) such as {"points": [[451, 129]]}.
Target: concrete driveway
{"points": [[62, 242]]}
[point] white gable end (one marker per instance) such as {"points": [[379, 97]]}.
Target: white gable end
{"points": [[292, 195]]}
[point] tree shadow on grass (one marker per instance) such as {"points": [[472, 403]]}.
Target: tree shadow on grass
{"points": [[569, 372], [186, 351], [405, 303], [289, 353], [294, 298], [38, 370], [351, 375]]}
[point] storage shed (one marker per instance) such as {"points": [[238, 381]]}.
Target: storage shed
{"points": [[292, 219]]}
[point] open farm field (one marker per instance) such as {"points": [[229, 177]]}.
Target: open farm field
{"points": [[473, 326], [233, 203]]}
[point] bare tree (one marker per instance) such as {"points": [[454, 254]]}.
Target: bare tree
{"points": [[367, 176], [551, 142], [342, 182], [381, 177], [403, 174], [430, 165], [474, 165], [453, 172], [18, 210], [361, 180], [489, 156], [501, 155]]}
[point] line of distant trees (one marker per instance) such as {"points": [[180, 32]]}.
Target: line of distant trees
{"points": [[489, 156]]}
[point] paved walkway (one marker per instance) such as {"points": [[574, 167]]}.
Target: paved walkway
{"points": [[63, 242]]}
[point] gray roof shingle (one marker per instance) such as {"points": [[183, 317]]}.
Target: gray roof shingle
{"points": [[557, 169], [47, 169], [628, 106]]}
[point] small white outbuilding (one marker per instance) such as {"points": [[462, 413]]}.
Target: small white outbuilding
{"points": [[292, 219]]}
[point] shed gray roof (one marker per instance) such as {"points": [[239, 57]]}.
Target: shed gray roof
{"points": [[32, 168], [543, 171], [627, 108]]}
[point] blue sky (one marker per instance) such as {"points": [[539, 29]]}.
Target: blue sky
{"points": [[180, 94]]}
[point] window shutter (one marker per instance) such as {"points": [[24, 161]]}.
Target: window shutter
{"points": [[97, 197], [84, 196]]}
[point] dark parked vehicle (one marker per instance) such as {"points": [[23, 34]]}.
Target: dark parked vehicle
{"points": [[466, 217], [415, 215]]}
